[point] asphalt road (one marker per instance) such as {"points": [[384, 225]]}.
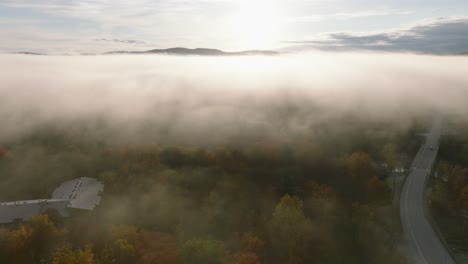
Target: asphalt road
{"points": [[425, 245]]}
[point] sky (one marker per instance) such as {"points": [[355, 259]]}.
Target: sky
{"points": [[81, 26]]}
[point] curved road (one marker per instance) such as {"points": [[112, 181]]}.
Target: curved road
{"points": [[426, 247]]}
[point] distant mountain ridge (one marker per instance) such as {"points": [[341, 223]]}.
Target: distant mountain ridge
{"points": [[198, 51], [29, 53], [172, 51]]}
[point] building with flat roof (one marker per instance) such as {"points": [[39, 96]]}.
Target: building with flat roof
{"points": [[83, 193]]}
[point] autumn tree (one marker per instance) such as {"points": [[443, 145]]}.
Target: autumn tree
{"points": [[319, 199], [360, 170], [372, 236], [127, 232], [63, 255], [155, 247], [251, 243], [30, 242], [121, 245], [120, 251], [290, 231], [202, 251], [241, 258], [464, 198], [3, 152], [359, 165], [44, 236], [4, 241], [440, 196], [457, 180], [247, 249], [66, 255], [376, 189], [389, 155], [19, 244], [173, 157]]}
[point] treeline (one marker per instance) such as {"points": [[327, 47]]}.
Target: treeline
{"points": [[305, 200], [449, 196], [450, 186], [451, 183]]}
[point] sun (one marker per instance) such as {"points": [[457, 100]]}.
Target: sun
{"points": [[256, 24]]}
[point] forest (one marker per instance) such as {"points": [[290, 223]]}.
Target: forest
{"points": [[282, 160], [302, 200]]}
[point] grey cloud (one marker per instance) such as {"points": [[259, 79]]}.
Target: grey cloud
{"points": [[441, 36]]}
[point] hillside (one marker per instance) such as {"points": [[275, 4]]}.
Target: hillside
{"points": [[198, 51]]}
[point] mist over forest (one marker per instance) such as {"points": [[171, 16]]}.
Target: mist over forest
{"points": [[161, 99], [255, 159]]}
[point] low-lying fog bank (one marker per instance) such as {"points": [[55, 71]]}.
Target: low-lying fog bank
{"points": [[214, 99]]}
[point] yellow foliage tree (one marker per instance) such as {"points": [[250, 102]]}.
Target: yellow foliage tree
{"points": [[66, 255]]}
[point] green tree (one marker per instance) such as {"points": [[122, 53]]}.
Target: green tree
{"points": [[290, 231]]}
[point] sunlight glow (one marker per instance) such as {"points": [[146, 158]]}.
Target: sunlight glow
{"points": [[256, 24]]}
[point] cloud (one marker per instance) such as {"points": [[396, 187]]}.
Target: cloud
{"points": [[440, 36], [172, 23], [347, 15], [126, 41], [369, 13], [197, 23]]}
